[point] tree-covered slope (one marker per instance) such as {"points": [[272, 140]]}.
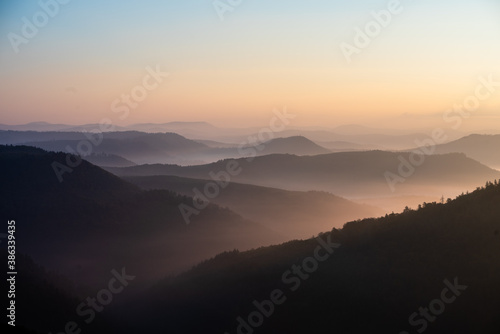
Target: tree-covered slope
{"points": [[387, 276]]}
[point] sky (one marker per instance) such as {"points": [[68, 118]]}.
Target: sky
{"points": [[264, 54]]}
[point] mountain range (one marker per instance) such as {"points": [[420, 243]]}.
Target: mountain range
{"points": [[432, 270], [358, 135], [347, 174], [375, 274], [94, 221], [133, 147], [295, 214]]}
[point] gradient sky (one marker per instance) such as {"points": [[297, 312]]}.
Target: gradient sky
{"points": [[265, 54]]}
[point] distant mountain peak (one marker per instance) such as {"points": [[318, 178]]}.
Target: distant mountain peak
{"points": [[297, 145]]}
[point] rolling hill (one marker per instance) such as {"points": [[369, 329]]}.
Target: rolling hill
{"points": [[483, 148], [347, 174], [435, 269], [297, 145], [141, 147], [94, 221], [137, 147], [294, 214]]}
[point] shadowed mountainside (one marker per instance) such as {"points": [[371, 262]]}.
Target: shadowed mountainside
{"points": [[61, 294], [291, 213], [378, 276], [93, 221]]}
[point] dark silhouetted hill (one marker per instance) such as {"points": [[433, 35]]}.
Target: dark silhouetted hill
{"points": [[94, 221], [292, 213], [386, 271], [45, 301]]}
